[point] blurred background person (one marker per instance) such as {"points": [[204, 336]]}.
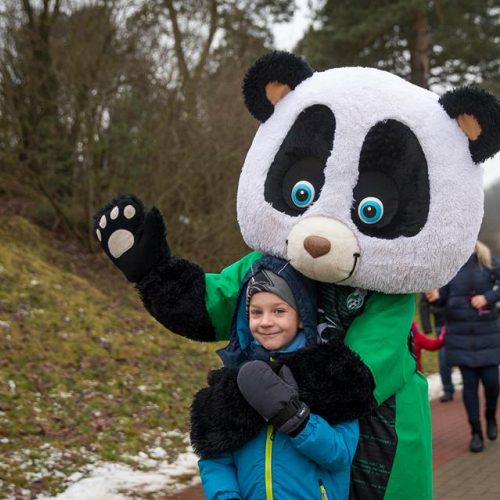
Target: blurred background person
{"points": [[433, 319], [473, 336]]}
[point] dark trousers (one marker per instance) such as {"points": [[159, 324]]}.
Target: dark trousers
{"points": [[445, 372], [489, 378]]}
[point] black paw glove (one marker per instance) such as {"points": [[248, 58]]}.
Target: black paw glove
{"points": [[274, 397], [133, 239]]}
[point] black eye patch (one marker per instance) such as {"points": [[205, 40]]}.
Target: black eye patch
{"points": [[376, 201], [302, 182], [391, 197], [296, 175]]}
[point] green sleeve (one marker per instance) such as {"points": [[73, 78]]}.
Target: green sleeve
{"points": [[380, 337], [221, 292]]}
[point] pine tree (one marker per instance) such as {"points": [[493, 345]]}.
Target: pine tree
{"points": [[431, 43]]}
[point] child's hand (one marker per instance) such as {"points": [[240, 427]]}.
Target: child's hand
{"points": [[442, 333], [478, 301], [275, 398], [432, 295]]}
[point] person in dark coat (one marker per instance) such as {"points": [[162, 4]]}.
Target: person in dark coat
{"points": [[473, 336], [430, 310]]}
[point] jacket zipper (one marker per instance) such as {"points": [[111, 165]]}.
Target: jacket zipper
{"points": [[268, 465], [322, 489]]}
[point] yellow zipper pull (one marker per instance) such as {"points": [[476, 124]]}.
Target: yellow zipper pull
{"points": [[322, 489]]}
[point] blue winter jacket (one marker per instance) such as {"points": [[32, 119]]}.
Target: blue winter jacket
{"points": [[472, 336], [316, 463]]}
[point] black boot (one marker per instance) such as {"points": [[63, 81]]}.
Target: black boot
{"points": [[447, 396], [477, 443], [491, 425]]}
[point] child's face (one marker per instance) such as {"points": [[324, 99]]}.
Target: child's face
{"points": [[273, 322]]}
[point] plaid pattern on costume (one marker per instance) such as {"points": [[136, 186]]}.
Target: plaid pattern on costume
{"points": [[340, 305]]}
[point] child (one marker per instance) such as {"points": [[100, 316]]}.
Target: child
{"points": [[301, 456], [421, 341]]}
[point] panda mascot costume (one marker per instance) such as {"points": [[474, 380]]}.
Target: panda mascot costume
{"points": [[368, 185]]}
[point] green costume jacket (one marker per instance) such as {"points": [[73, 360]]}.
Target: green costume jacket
{"points": [[394, 458]]}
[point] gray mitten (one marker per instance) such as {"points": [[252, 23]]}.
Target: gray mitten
{"points": [[274, 397]]}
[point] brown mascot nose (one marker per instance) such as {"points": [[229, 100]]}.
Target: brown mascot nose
{"points": [[316, 246]]}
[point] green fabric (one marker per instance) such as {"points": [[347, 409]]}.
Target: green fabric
{"points": [[393, 368], [386, 355], [412, 468], [221, 292]]}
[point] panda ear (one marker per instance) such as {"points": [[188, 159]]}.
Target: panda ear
{"points": [[270, 79], [478, 115]]}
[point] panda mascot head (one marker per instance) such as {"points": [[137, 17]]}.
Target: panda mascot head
{"points": [[360, 178]]}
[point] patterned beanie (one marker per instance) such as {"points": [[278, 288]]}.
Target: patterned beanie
{"points": [[267, 281]]}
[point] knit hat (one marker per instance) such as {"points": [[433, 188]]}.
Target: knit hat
{"points": [[267, 281]]}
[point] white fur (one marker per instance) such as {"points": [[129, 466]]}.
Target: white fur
{"points": [[360, 98]]}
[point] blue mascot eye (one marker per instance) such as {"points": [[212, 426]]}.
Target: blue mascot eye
{"points": [[370, 210], [303, 193]]}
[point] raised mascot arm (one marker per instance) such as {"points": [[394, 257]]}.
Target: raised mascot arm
{"points": [[172, 289]]}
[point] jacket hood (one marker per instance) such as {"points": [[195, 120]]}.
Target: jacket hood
{"points": [[241, 347]]}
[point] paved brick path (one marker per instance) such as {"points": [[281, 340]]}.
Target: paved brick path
{"points": [[450, 431], [458, 474]]}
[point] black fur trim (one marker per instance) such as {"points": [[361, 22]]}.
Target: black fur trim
{"points": [[221, 419], [485, 107], [276, 66], [332, 380], [174, 293]]}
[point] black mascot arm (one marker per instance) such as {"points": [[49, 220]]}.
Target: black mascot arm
{"points": [[332, 380], [174, 293], [172, 290], [221, 418]]}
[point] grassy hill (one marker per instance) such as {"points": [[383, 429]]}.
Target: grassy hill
{"points": [[85, 372]]}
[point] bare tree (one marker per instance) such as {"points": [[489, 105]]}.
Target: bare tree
{"points": [[109, 97]]}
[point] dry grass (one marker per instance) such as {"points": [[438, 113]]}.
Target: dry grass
{"points": [[85, 373]]}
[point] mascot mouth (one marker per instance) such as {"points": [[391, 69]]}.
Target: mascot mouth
{"points": [[356, 257], [323, 249]]}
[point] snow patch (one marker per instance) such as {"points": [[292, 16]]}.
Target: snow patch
{"points": [[115, 481], [435, 386]]}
